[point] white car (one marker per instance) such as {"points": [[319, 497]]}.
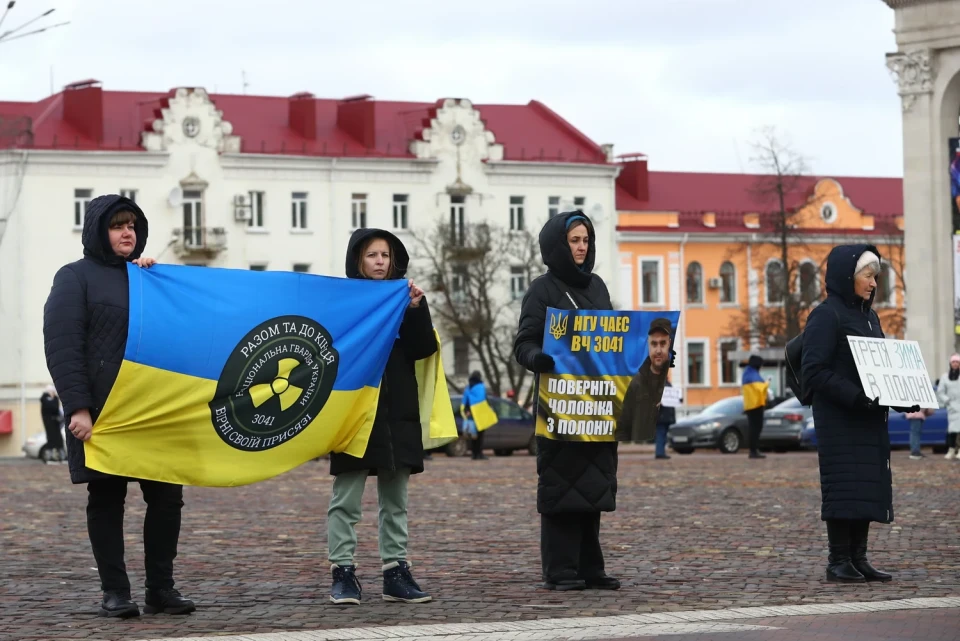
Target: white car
{"points": [[32, 447]]}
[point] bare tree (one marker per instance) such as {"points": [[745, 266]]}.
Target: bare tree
{"points": [[782, 191], [475, 292]]}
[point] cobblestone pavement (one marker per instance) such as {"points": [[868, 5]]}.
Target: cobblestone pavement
{"points": [[697, 532]]}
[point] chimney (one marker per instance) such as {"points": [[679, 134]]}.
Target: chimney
{"points": [[634, 177], [83, 108], [303, 114], [355, 117]]}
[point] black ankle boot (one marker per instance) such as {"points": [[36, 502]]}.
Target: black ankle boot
{"points": [[167, 600], [840, 568], [858, 553], [117, 603]]}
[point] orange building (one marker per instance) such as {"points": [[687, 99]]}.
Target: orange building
{"points": [[713, 246]]}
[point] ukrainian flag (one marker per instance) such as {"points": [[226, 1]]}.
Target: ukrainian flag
{"points": [[231, 377], [754, 389]]}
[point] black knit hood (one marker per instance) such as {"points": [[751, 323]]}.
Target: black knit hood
{"points": [[556, 253], [96, 229], [841, 265], [399, 257]]}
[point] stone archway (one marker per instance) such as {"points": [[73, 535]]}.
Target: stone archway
{"points": [[926, 68]]}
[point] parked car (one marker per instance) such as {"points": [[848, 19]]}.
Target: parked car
{"points": [[722, 425], [934, 433], [515, 429], [783, 425]]}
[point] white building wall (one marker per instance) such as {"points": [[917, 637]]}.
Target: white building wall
{"points": [[40, 236]]}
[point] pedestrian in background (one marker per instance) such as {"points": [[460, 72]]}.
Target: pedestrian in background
{"points": [[52, 414], [916, 420], [948, 393], [755, 395], [476, 392]]}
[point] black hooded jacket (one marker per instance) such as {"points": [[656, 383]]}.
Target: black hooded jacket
{"points": [[85, 321], [396, 441], [853, 443], [573, 477]]}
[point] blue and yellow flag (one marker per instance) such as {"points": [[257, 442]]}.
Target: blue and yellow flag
{"points": [[231, 377]]}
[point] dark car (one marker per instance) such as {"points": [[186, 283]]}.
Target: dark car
{"points": [[934, 433], [722, 426], [514, 429], [783, 425]]}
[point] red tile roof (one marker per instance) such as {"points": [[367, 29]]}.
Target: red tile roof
{"points": [[730, 196], [527, 132]]}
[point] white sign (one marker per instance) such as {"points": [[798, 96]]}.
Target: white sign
{"points": [[894, 371], [671, 397]]}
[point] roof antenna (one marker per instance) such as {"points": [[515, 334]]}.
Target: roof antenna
{"points": [[243, 74]]}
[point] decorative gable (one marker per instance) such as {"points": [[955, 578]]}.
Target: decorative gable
{"points": [[187, 117], [453, 124]]}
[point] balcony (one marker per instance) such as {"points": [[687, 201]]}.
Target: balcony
{"points": [[199, 242]]}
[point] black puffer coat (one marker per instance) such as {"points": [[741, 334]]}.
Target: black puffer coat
{"points": [[397, 437], [573, 477], [853, 445], [85, 321]]}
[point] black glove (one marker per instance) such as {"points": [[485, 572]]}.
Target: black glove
{"points": [[543, 363], [906, 410], [867, 404], [673, 358]]}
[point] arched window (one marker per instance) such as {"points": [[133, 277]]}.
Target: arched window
{"points": [[694, 283], [728, 283], [774, 282], [885, 286], [809, 283]]}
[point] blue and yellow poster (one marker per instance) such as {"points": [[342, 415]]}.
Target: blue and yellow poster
{"points": [[231, 376], [609, 374]]}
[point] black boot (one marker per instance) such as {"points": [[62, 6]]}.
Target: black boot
{"points": [[167, 600], [860, 532], [117, 603], [840, 568], [346, 588], [399, 586]]}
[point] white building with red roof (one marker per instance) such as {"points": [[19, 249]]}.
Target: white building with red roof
{"points": [[274, 183]]}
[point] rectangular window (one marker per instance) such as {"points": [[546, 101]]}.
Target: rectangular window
{"points": [[358, 211], [697, 362], [301, 268], [457, 220], [579, 202], [129, 193], [728, 368], [553, 206], [400, 204], [193, 218], [258, 267], [81, 198], [651, 281], [518, 282], [298, 208], [516, 213], [458, 284], [461, 356], [256, 210]]}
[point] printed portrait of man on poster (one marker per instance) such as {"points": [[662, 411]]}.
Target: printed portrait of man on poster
{"points": [[611, 368]]}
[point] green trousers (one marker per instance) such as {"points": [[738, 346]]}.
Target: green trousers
{"points": [[344, 514]]}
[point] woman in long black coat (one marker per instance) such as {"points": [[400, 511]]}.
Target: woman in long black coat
{"points": [[853, 444], [577, 481], [85, 322]]}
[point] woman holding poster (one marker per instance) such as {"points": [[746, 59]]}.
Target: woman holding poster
{"points": [[853, 444], [577, 480]]}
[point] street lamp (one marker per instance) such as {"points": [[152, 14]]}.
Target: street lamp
{"points": [[17, 33]]}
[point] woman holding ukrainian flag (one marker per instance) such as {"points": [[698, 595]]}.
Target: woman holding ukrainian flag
{"points": [[395, 447], [754, 389]]}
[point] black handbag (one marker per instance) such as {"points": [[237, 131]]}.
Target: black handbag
{"points": [[793, 357]]}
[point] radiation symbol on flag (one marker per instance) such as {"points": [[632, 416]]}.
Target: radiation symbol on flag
{"points": [[274, 384]]}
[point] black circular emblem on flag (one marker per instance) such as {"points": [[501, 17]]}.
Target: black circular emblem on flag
{"points": [[274, 384]]}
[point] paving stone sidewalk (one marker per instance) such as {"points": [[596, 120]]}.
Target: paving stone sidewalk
{"points": [[705, 531]]}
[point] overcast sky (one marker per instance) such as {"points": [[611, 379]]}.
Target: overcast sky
{"points": [[687, 82]]}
